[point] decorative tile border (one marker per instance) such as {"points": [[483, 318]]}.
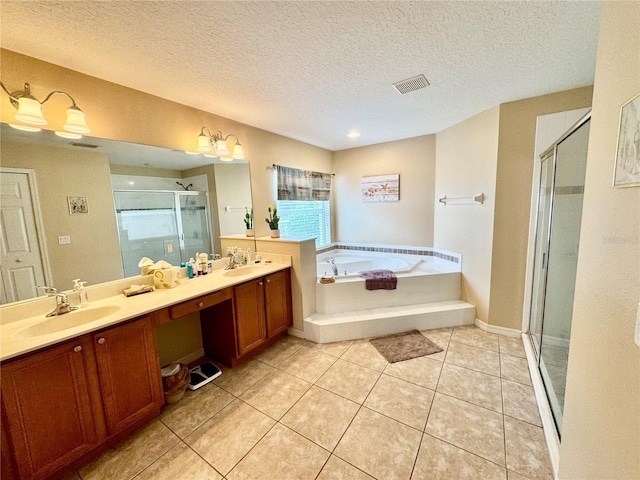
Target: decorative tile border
{"points": [[424, 252]]}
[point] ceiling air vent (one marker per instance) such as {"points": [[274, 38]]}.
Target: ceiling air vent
{"points": [[411, 84], [83, 145]]}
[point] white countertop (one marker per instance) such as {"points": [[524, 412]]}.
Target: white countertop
{"points": [[14, 342]]}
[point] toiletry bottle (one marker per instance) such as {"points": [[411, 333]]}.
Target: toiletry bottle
{"points": [[80, 287], [190, 267]]}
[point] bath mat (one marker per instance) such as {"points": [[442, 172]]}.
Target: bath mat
{"points": [[404, 346]]}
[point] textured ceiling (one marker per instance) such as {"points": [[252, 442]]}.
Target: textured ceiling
{"points": [[315, 70]]}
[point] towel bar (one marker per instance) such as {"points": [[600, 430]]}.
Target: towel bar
{"points": [[475, 200]]}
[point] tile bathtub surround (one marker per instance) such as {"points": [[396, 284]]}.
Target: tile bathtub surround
{"points": [[341, 411]]}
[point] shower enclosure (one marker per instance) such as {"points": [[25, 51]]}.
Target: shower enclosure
{"points": [[161, 225], [559, 213]]}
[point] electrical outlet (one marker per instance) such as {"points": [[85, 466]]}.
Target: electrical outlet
{"points": [[637, 334], [64, 240]]}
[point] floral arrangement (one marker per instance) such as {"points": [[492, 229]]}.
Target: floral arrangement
{"points": [[273, 218], [248, 218]]}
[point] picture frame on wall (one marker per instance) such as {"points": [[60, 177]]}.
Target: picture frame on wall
{"points": [[381, 188], [627, 167], [77, 205]]}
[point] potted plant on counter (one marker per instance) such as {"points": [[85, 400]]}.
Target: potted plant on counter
{"points": [[273, 221], [248, 221]]}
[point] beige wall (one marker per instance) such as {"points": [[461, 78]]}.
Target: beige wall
{"points": [[516, 147], [601, 428], [120, 113], [407, 222], [94, 251], [466, 157]]}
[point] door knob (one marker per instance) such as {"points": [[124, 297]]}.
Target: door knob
{"points": [[19, 260], [77, 349], [101, 340]]}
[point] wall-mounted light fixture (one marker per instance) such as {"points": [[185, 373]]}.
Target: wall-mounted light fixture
{"points": [[217, 144], [29, 111]]}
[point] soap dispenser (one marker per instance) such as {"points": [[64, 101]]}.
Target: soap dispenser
{"points": [[81, 288]]}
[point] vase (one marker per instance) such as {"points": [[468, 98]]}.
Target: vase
{"points": [[250, 232], [275, 233]]}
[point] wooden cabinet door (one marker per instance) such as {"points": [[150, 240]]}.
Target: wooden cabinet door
{"points": [[129, 373], [52, 408], [250, 324], [277, 289]]}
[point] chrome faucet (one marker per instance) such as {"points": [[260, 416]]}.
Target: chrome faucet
{"points": [[235, 260], [334, 267], [62, 302]]}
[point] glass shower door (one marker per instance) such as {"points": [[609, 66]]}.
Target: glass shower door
{"points": [[194, 221], [556, 260], [169, 226], [545, 200], [147, 226]]}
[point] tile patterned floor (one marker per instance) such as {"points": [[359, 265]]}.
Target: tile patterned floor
{"points": [[301, 410]]}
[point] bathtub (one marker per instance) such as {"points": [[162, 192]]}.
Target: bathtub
{"points": [[427, 294], [425, 275], [349, 264]]}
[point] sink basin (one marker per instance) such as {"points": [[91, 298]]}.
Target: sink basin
{"points": [[66, 321], [242, 271]]}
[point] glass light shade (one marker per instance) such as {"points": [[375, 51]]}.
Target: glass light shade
{"points": [[204, 144], [222, 148], [25, 128], [226, 159], [30, 111], [237, 152], [75, 136], [75, 121]]}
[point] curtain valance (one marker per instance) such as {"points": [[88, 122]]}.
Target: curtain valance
{"points": [[296, 184]]}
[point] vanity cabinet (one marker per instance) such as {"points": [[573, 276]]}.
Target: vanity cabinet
{"points": [[60, 403], [278, 310], [129, 373], [250, 315], [262, 312], [52, 405]]}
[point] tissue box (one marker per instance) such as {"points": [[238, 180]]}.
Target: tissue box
{"points": [[167, 277]]}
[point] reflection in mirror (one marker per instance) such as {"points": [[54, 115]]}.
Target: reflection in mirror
{"points": [[48, 241]]}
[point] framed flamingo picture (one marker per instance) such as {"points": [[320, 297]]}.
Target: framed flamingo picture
{"points": [[381, 188]]}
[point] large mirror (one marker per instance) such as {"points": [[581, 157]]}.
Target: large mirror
{"points": [[68, 206]]}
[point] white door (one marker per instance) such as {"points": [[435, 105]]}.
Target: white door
{"points": [[22, 266]]}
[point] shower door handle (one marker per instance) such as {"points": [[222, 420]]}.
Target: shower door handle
{"points": [[544, 260]]}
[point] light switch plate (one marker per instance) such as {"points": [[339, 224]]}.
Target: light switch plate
{"points": [[637, 334]]}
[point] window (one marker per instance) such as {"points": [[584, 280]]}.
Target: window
{"points": [[303, 203], [305, 219]]}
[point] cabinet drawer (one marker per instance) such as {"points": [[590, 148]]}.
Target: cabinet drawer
{"points": [[199, 303]]}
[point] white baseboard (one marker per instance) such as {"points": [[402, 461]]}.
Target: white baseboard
{"points": [[548, 425], [507, 332], [295, 332], [192, 357]]}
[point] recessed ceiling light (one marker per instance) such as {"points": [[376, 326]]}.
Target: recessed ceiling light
{"points": [[353, 134]]}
